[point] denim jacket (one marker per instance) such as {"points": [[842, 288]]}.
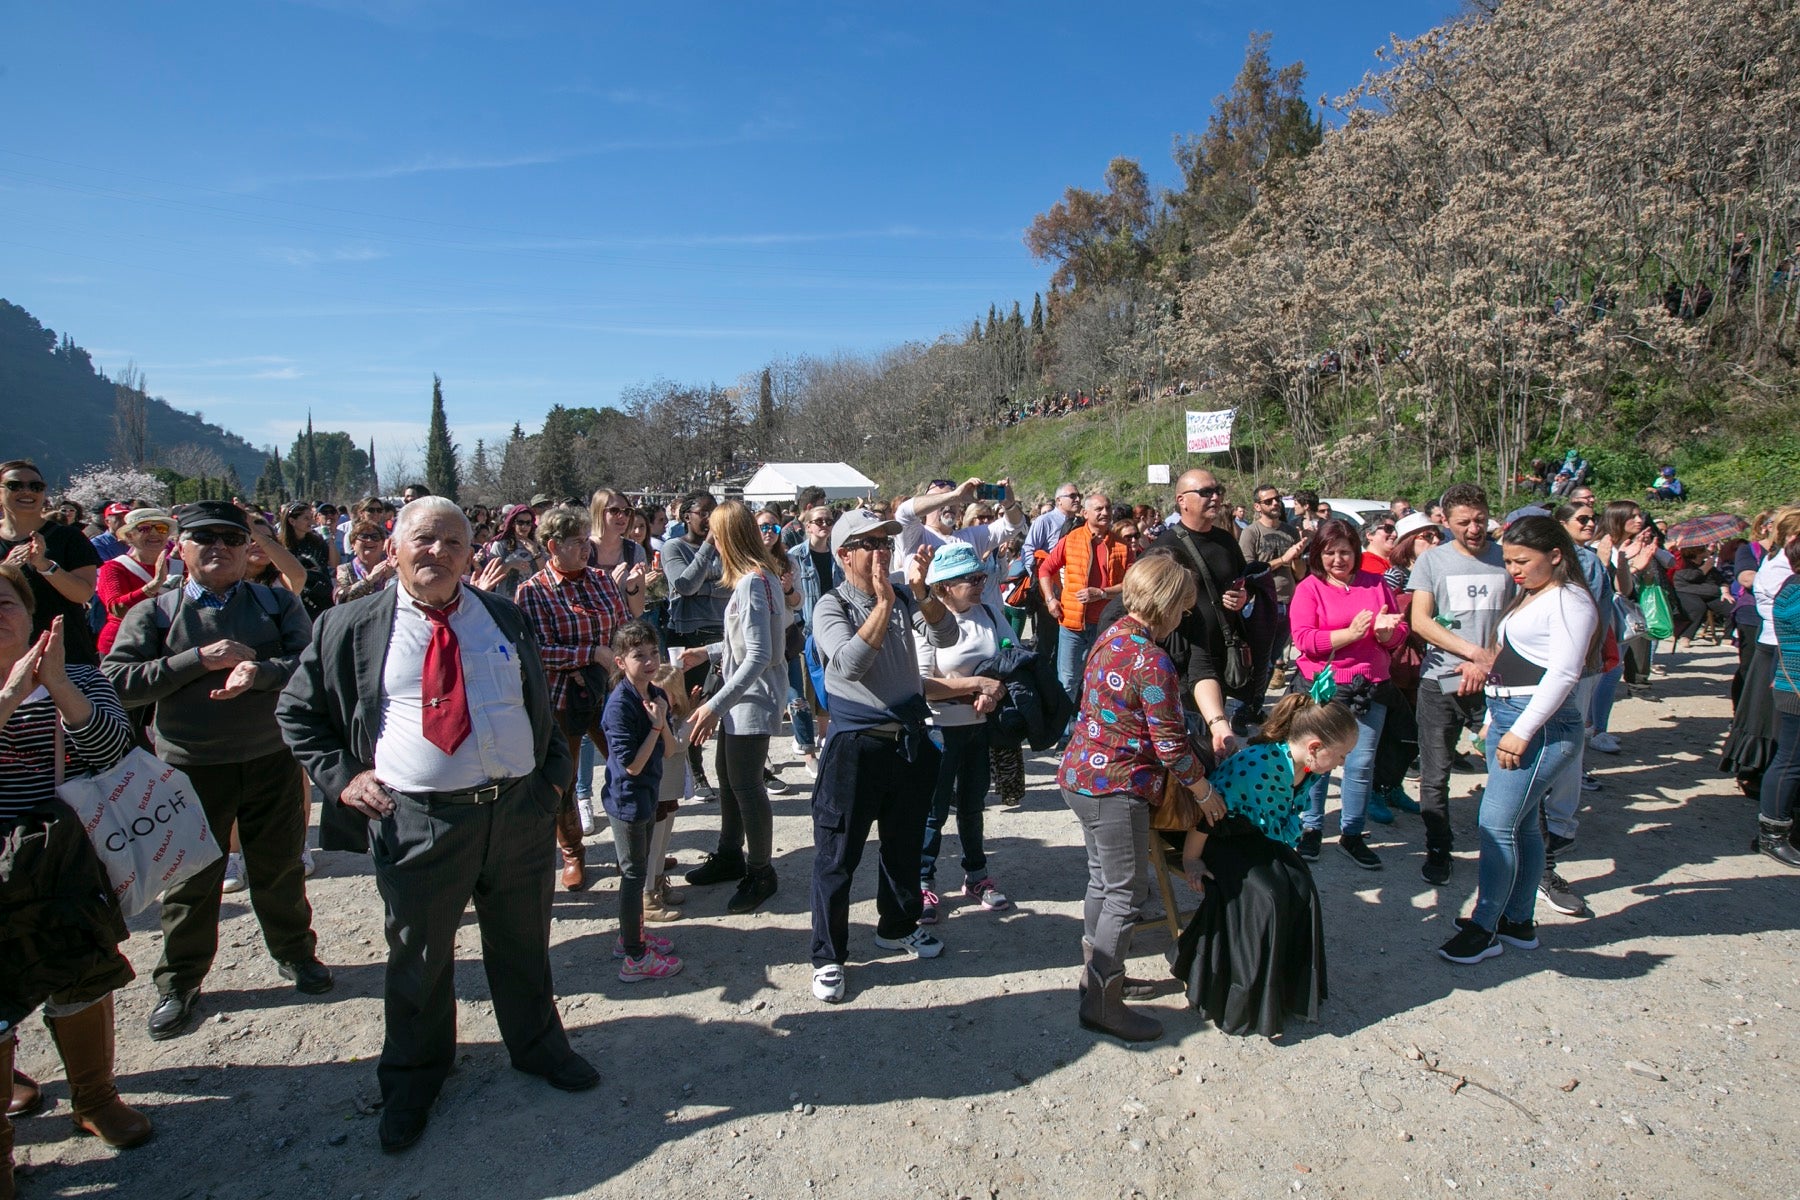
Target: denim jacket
{"points": [[811, 586]]}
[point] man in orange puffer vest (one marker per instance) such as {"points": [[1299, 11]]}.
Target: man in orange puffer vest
{"points": [[1079, 575]]}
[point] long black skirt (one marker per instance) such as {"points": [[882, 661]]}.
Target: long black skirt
{"points": [[1750, 746], [1254, 953]]}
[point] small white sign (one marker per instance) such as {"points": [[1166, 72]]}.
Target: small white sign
{"points": [[1210, 432], [1159, 472]]}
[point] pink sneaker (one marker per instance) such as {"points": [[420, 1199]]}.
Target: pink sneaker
{"points": [[653, 943], [653, 965], [991, 897], [928, 915]]}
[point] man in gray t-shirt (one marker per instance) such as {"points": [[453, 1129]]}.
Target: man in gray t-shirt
{"points": [[1459, 590]]}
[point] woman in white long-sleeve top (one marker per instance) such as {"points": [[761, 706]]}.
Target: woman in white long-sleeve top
{"points": [[1535, 728]]}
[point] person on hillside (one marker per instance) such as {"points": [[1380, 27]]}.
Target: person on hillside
{"points": [[1077, 578], [1459, 590], [1130, 735], [142, 573], [58, 562], [1547, 632], [1270, 538], [367, 569], [60, 929], [879, 765], [956, 579], [697, 598], [573, 611], [1666, 487], [1349, 621], [1200, 543], [746, 709], [459, 798], [213, 658]]}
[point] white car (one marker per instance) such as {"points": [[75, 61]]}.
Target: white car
{"points": [[1360, 513]]}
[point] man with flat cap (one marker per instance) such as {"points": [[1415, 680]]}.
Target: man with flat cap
{"points": [[213, 655], [424, 708]]}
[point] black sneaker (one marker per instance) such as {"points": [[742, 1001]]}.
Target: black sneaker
{"points": [[1522, 934], [755, 887], [775, 784], [1471, 944], [1559, 895], [1462, 764], [1438, 864], [1359, 852], [1308, 848], [718, 868], [1556, 843]]}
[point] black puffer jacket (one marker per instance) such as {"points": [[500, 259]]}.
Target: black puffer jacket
{"points": [[1035, 708]]}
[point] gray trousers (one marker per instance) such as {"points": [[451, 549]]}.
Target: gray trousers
{"points": [[430, 860], [1116, 829]]}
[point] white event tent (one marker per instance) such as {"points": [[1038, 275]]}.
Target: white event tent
{"points": [[783, 482]]}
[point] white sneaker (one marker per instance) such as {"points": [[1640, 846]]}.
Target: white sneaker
{"points": [[812, 765], [234, 873], [828, 983], [584, 808], [1605, 743], [918, 943], [307, 865]]}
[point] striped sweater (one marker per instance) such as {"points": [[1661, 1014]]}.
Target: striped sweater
{"points": [[28, 741]]}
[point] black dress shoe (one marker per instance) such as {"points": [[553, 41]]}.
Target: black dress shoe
{"points": [[309, 975], [401, 1127], [172, 1013], [572, 1074]]}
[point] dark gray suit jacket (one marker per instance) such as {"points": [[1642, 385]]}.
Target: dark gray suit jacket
{"points": [[330, 712]]}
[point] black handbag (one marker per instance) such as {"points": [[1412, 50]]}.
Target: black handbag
{"points": [[587, 695], [1239, 668]]}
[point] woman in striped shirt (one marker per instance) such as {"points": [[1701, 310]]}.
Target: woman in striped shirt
{"points": [[60, 927]]}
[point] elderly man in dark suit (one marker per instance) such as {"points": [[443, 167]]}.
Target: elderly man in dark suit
{"points": [[424, 708]]}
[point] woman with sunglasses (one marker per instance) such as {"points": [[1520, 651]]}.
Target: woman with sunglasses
{"points": [[59, 562], [517, 549], [368, 569], [141, 573], [612, 550]]}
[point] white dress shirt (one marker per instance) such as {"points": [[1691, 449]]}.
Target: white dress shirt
{"points": [[499, 745], [983, 539]]}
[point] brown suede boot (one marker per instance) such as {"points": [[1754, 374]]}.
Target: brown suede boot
{"points": [[27, 1097], [86, 1044], [1135, 988], [8, 1045], [1103, 1009], [574, 855]]}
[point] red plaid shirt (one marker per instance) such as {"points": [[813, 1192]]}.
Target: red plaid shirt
{"points": [[570, 618]]}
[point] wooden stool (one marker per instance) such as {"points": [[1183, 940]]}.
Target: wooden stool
{"points": [[1159, 866]]}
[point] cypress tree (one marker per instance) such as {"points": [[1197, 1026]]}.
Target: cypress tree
{"points": [[765, 415], [556, 456], [311, 486], [440, 451]]}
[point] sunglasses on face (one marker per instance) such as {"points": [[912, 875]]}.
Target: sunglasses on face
{"points": [[886, 543], [618, 512], [943, 483], [220, 537], [25, 485], [1204, 492], [147, 528], [976, 580], [369, 537], [767, 530], [822, 522], [1584, 520]]}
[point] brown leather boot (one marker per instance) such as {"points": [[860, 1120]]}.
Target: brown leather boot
{"points": [[86, 1044], [27, 1097], [1135, 988], [1103, 1009], [574, 855], [8, 1045]]}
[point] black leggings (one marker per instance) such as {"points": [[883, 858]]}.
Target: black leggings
{"points": [[744, 811]]}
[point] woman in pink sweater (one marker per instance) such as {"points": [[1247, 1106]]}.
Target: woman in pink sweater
{"points": [[1351, 620]]}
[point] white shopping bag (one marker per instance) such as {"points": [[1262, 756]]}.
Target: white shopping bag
{"points": [[144, 820]]}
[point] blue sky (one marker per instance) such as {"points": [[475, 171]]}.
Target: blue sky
{"points": [[276, 206]]}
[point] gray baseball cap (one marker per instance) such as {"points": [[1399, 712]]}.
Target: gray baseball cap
{"points": [[856, 523]]}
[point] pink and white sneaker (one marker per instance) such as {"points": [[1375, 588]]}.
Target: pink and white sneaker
{"points": [[990, 896], [928, 915], [654, 943], [653, 965]]}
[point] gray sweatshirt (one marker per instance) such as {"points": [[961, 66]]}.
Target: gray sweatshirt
{"points": [[879, 678], [697, 594], [752, 659]]}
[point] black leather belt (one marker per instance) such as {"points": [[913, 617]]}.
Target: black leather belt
{"points": [[486, 794]]}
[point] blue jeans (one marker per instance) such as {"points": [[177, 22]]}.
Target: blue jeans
{"points": [[1564, 801], [962, 778], [1072, 646], [1358, 779], [799, 711], [584, 772], [1781, 782], [1512, 844], [1604, 692]]}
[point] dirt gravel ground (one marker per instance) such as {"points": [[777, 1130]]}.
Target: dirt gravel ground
{"points": [[1648, 1051]]}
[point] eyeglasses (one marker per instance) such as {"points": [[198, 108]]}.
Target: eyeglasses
{"points": [[978, 579], [617, 512], [822, 522], [153, 527], [886, 543], [766, 529], [1584, 521], [370, 537], [1208, 492], [943, 483], [221, 537], [1069, 496], [1387, 529], [26, 485]]}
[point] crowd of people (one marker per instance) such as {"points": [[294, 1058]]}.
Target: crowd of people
{"points": [[464, 689]]}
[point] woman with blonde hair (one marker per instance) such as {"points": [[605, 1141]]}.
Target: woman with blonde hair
{"points": [[746, 708], [611, 549]]}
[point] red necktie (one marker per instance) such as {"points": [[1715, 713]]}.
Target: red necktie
{"points": [[446, 715]]}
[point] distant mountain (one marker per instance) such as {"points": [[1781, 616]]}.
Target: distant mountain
{"points": [[57, 410]]}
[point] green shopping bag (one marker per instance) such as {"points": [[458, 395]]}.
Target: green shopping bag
{"points": [[1659, 623]]}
